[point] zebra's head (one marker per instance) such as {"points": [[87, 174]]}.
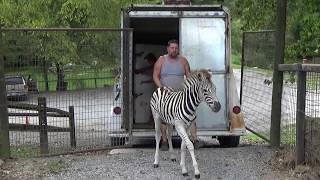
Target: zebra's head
{"points": [[207, 90]]}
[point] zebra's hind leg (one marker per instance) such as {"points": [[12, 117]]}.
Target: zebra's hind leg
{"points": [[169, 137], [157, 137], [181, 129]]}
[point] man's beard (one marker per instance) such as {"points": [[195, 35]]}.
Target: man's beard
{"points": [[173, 55]]}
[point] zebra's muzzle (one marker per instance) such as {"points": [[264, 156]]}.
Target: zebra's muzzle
{"points": [[217, 106]]}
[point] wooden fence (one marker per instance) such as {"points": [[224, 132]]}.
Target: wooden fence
{"points": [[43, 128]]}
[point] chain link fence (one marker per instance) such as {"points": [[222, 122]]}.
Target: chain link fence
{"points": [[311, 114], [256, 97], [60, 89], [256, 92], [288, 115]]}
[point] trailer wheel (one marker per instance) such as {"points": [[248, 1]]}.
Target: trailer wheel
{"points": [[229, 141]]}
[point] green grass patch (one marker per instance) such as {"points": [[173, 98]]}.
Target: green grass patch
{"points": [[236, 61], [77, 78], [33, 150], [236, 66], [25, 150], [288, 134], [252, 138], [236, 58]]}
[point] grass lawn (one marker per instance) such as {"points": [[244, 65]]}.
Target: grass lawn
{"points": [[288, 135], [76, 78]]}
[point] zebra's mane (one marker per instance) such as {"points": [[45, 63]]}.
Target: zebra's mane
{"points": [[197, 75]]}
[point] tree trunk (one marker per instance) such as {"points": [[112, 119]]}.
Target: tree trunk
{"points": [[61, 85], [45, 74]]}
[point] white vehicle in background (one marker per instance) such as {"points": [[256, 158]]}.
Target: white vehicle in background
{"points": [[205, 40]]}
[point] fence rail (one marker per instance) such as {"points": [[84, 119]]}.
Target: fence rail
{"points": [[300, 67]]}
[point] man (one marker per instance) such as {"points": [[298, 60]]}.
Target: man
{"points": [[147, 80], [148, 70], [169, 71]]}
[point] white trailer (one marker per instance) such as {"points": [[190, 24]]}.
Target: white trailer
{"points": [[204, 37]]}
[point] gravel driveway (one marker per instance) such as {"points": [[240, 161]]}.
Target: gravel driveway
{"points": [[247, 162], [243, 163]]}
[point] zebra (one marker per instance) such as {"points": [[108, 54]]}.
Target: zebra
{"points": [[178, 108]]}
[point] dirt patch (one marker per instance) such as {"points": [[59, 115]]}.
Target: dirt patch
{"points": [[37, 168], [283, 161], [32, 168]]}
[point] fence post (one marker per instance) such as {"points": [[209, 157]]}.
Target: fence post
{"points": [[72, 127], [300, 115], [242, 65], [4, 122], [43, 128], [278, 75]]}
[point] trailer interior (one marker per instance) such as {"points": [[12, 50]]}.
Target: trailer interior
{"points": [[150, 36]]}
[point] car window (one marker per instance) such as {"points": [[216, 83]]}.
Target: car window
{"points": [[14, 80]]}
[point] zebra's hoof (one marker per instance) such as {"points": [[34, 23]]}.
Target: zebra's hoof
{"points": [[197, 176], [185, 174], [174, 160], [156, 165]]}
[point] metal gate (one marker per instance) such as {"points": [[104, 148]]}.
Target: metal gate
{"points": [[60, 89], [256, 90]]}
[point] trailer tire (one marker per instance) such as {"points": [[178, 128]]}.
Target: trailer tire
{"points": [[229, 141]]}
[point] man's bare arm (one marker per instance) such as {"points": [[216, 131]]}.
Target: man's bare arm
{"points": [[156, 71], [186, 66]]}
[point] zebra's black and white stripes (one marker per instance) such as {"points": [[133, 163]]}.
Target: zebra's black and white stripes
{"points": [[178, 108]]}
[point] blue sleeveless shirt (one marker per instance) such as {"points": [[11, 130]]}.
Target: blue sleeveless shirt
{"points": [[172, 73]]}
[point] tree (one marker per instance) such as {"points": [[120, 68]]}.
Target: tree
{"points": [[304, 29], [54, 48], [302, 38]]}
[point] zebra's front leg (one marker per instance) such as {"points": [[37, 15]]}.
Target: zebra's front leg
{"points": [[169, 137], [183, 158], [181, 129], [157, 137]]}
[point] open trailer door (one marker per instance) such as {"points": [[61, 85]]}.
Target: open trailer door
{"points": [[203, 43], [126, 69]]}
